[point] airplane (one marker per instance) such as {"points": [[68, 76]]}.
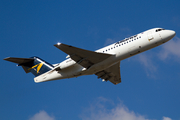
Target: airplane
{"points": [[104, 62]]}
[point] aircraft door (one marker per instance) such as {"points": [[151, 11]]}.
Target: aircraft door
{"points": [[150, 36]]}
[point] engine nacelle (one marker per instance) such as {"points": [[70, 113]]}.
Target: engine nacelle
{"points": [[66, 64]]}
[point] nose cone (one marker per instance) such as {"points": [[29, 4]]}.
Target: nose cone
{"points": [[168, 34], [172, 33]]}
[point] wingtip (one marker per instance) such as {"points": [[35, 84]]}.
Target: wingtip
{"points": [[58, 44], [6, 58]]}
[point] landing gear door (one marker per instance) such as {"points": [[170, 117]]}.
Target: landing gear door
{"points": [[150, 36]]}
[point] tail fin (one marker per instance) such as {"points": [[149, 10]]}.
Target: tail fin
{"points": [[35, 65]]}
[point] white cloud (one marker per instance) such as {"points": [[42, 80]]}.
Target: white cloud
{"points": [[98, 111], [170, 49], [146, 60], [104, 109], [108, 41], [166, 118], [42, 115]]}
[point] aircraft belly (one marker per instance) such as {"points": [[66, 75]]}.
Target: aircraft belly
{"points": [[134, 50], [52, 75]]}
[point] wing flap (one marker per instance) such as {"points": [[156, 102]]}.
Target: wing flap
{"points": [[83, 57], [112, 74]]}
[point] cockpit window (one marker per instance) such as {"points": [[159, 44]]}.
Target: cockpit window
{"points": [[157, 30]]}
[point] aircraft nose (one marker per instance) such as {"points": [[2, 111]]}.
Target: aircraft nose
{"points": [[168, 34], [172, 33]]}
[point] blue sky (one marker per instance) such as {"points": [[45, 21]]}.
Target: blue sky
{"points": [[150, 81]]}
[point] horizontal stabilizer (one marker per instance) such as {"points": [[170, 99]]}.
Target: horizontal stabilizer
{"points": [[19, 61], [35, 65]]}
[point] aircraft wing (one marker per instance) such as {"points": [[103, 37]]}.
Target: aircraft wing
{"points": [[83, 57], [112, 74]]}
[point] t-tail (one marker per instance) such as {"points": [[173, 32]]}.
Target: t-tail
{"points": [[35, 65]]}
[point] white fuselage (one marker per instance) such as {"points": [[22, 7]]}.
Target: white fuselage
{"points": [[119, 51]]}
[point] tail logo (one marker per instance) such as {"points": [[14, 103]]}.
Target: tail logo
{"points": [[38, 67]]}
